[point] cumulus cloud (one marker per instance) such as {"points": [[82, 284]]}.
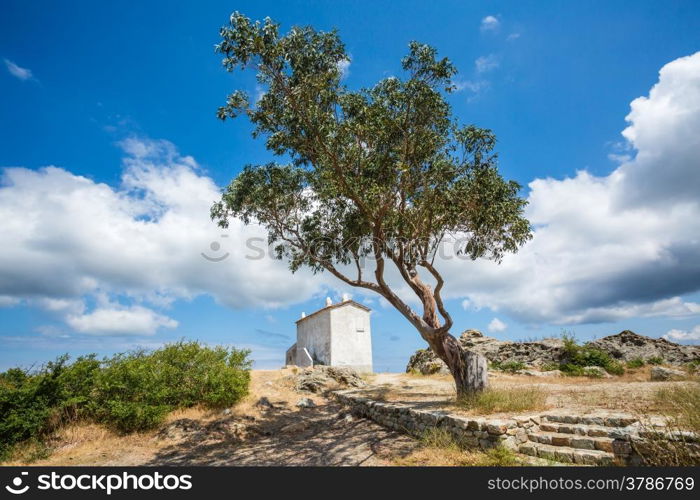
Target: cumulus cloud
{"points": [[344, 67], [610, 247], [496, 325], [67, 238], [490, 23], [486, 63], [135, 320], [17, 71], [690, 336]]}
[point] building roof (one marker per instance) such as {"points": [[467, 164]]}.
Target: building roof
{"points": [[334, 306]]}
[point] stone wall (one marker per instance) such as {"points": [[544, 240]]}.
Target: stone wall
{"points": [[472, 432], [596, 439]]}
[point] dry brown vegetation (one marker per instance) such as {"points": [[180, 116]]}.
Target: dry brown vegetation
{"points": [[506, 400], [439, 448]]}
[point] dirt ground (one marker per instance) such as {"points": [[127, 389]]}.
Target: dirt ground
{"points": [[280, 433], [632, 393], [247, 435]]}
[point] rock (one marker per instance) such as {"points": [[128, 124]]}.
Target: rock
{"points": [[596, 372], [264, 404], [226, 412], [180, 429], [537, 373], [661, 373], [628, 345], [305, 403], [321, 377], [426, 363], [624, 346], [295, 427]]}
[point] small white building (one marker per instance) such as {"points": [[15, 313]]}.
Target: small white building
{"points": [[337, 335]]}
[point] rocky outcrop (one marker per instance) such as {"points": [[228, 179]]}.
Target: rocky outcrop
{"points": [[534, 354], [320, 378], [660, 373], [628, 345], [624, 346]]}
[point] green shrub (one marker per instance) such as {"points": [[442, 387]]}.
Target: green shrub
{"points": [[129, 392], [509, 366], [32, 404], [655, 360], [579, 356], [635, 363], [548, 367], [135, 391]]}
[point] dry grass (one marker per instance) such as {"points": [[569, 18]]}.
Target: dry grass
{"points": [[438, 448], [505, 400], [677, 445], [90, 444]]}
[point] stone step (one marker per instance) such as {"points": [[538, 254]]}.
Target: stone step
{"points": [[589, 430], [566, 454], [572, 441], [597, 420]]}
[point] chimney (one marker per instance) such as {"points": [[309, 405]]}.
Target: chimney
{"points": [[346, 297], [303, 315], [329, 302]]}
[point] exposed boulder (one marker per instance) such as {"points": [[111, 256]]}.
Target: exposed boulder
{"points": [[628, 345], [537, 373], [660, 373], [624, 346], [596, 372], [425, 362], [536, 353], [306, 403], [320, 378]]}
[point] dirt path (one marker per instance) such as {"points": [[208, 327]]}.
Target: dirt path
{"points": [[322, 435]]}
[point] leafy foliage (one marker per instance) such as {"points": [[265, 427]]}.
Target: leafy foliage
{"points": [[130, 391], [383, 172], [635, 363], [578, 357], [509, 366]]}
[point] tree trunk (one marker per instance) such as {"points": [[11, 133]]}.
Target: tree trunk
{"points": [[469, 369]]}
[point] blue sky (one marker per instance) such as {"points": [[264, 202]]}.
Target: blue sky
{"points": [[121, 100]]}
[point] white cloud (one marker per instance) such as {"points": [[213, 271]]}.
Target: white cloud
{"points": [[66, 237], [344, 67], [601, 251], [135, 320], [496, 325], [17, 71], [513, 36], [490, 23], [486, 63], [683, 336]]}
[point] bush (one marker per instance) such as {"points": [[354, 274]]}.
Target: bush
{"points": [[655, 360], [579, 356], [135, 391], [32, 405], [509, 366], [129, 392], [635, 363]]}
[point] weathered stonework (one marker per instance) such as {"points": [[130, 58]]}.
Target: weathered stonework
{"points": [[603, 439]]}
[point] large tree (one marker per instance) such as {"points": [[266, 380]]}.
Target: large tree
{"points": [[382, 175]]}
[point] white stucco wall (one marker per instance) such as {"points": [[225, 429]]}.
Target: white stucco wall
{"points": [[351, 338], [314, 334]]}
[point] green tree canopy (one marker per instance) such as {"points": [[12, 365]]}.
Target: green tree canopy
{"points": [[385, 172]]}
